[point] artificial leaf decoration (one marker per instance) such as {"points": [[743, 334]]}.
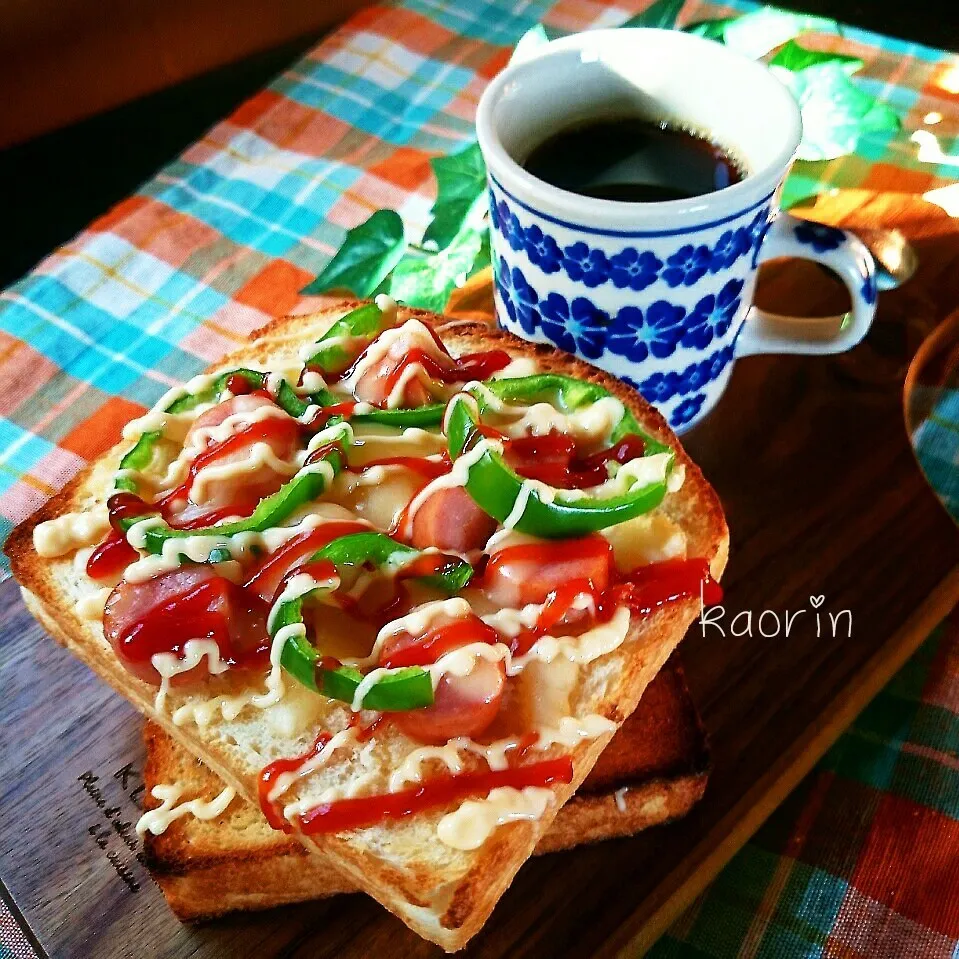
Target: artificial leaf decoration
{"points": [[791, 56], [755, 34], [460, 196], [835, 112], [661, 13], [530, 43], [367, 255], [485, 256], [427, 281], [710, 29]]}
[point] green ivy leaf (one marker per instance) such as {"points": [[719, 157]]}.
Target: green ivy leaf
{"points": [[755, 34], [835, 112], [662, 14], [427, 281], [793, 57], [367, 255], [460, 196]]}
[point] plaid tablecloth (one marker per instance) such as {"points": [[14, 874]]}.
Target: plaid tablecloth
{"points": [[863, 860]]}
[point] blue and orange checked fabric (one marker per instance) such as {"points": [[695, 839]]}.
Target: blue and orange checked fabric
{"points": [[862, 861]]}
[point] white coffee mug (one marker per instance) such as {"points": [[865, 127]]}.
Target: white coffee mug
{"points": [[657, 293]]}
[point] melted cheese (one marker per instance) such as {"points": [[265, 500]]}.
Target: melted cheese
{"points": [[57, 537], [473, 823], [378, 495], [412, 441], [650, 538], [157, 821], [202, 710]]}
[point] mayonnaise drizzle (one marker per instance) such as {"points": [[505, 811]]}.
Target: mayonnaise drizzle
{"points": [[64, 534], [569, 732], [169, 665], [469, 826], [157, 821]]}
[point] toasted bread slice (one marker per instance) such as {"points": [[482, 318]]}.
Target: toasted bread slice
{"points": [[444, 894], [654, 770]]}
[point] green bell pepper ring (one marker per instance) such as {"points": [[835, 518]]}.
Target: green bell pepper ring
{"points": [[358, 549], [422, 416], [567, 395], [497, 489], [359, 327], [305, 486], [395, 689]]}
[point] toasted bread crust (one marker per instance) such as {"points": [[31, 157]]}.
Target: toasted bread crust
{"points": [[444, 904]]}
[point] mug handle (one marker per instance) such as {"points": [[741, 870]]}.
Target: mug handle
{"points": [[841, 251]]}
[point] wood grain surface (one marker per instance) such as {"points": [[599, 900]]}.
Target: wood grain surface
{"points": [[824, 499]]}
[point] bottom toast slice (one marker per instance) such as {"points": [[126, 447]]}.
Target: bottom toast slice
{"points": [[654, 770]]}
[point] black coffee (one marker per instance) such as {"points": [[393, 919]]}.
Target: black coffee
{"points": [[632, 159]]}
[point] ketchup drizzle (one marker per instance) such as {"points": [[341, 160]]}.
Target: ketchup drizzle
{"points": [[269, 773], [344, 814], [442, 639], [239, 385], [429, 469], [554, 459], [111, 557]]}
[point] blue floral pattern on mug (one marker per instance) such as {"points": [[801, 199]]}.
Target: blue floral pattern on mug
{"points": [[542, 250], [637, 335], [687, 265], [586, 264], [659, 387], [713, 315], [822, 238], [687, 410], [631, 267], [519, 298], [578, 325], [635, 270], [870, 289], [729, 248]]}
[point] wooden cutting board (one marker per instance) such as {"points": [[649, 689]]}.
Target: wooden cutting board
{"points": [[828, 513]]}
